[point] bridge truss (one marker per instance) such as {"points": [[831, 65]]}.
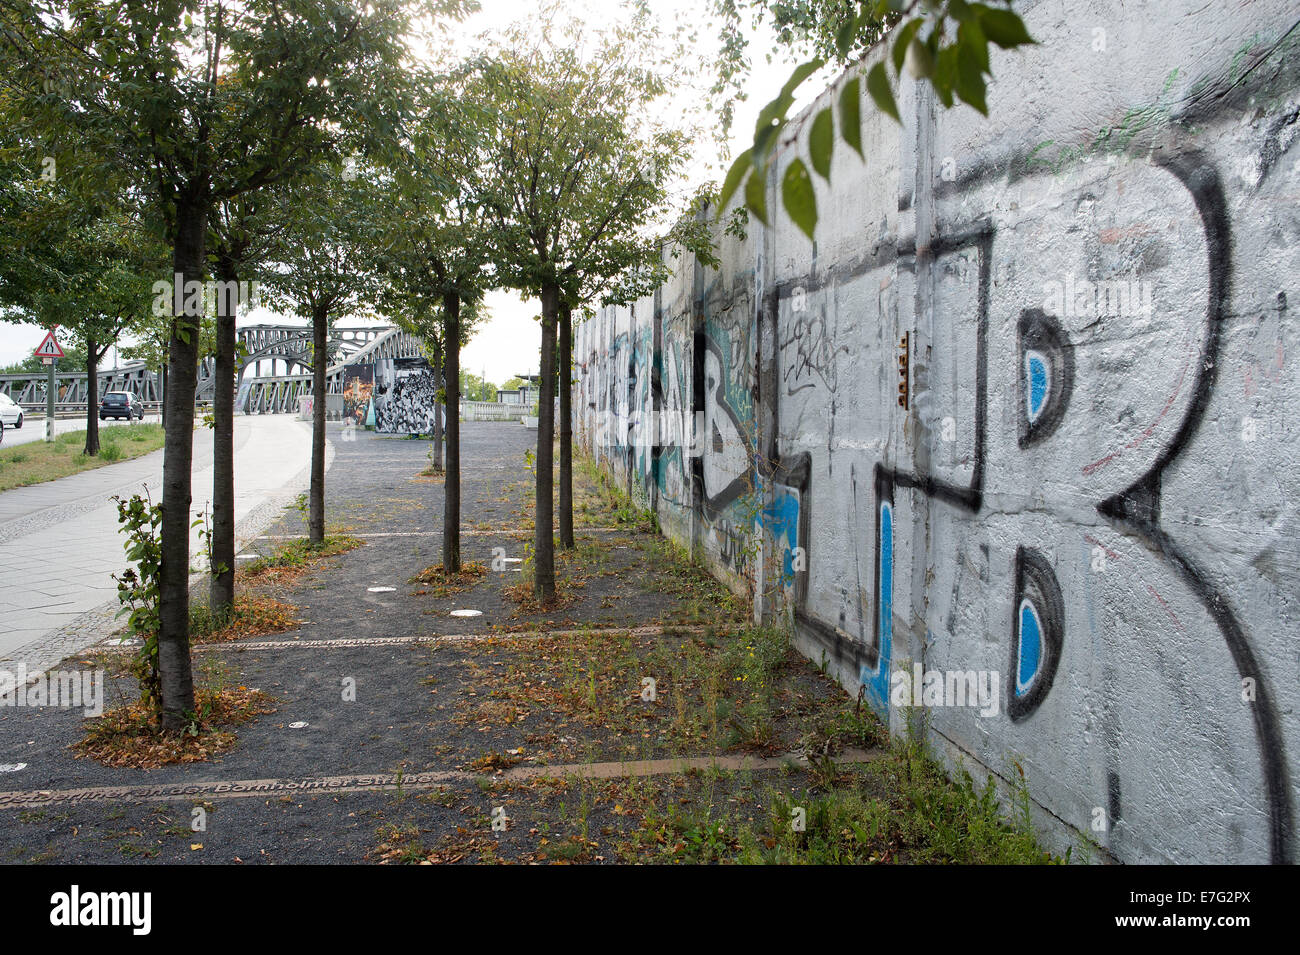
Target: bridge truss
{"points": [[290, 345]]}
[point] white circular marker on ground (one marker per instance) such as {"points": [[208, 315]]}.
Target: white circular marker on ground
{"points": [[298, 725], [12, 767], [380, 590], [467, 613]]}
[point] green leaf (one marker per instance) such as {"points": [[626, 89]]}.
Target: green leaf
{"points": [[970, 80], [945, 74], [821, 142], [971, 37], [765, 137], [851, 114], [845, 36], [742, 165], [878, 87], [1004, 28], [905, 35], [922, 65], [799, 198], [772, 116], [756, 194], [801, 73]]}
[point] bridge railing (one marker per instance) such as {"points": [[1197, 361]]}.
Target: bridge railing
{"points": [[492, 411]]}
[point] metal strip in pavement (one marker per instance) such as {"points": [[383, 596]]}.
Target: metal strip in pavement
{"points": [[388, 782], [504, 531], [345, 642]]}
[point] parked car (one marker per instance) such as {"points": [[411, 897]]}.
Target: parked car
{"points": [[11, 414], [120, 404]]}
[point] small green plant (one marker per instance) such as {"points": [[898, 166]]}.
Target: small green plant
{"points": [[138, 591]]}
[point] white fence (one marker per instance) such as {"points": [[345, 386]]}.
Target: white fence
{"points": [[491, 411]]}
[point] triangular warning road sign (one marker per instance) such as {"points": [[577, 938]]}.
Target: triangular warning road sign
{"points": [[49, 347]]}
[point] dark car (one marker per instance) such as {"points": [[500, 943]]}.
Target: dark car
{"points": [[120, 404]]}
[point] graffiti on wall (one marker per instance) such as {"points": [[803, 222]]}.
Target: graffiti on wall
{"points": [[1091, 352]]}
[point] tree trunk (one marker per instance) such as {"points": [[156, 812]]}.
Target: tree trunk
{"points": [[566, 425], [92, 399], [320, 359], [451, 485], [544, 540], [176, 678], [438, 406], [221, 595]]}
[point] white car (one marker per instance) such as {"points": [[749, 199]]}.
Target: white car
{"points": [[10, 412]]}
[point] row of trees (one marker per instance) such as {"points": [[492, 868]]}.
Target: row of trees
{"points": [[301, 145], [305, 145]]}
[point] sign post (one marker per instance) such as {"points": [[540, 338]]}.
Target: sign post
{"points": [[49, 352], [49, 402]]}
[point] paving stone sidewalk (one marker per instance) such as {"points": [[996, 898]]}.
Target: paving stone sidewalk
{"points": [[60, 542]]}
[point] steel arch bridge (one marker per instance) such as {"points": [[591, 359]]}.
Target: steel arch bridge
{"points": [[289, 345], [272, 394]]}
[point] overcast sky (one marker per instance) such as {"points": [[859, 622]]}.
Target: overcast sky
{"points": [[508, 343]]}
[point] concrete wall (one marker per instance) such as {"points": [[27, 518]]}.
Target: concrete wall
{"points": [[1090, 494]]}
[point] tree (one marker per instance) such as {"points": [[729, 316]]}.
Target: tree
{"points": [[475, 388], [582, 171], [89, 269], [321, 267], [438, 247], [194, 102], [953, 61], [627, 266], [241, 230]]}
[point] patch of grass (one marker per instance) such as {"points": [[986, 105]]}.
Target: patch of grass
{"points": [[398, 843], [440, 584], [708, 695], [598, 501], [703, 598], [293, 558], [901, 808], [40, 461]]}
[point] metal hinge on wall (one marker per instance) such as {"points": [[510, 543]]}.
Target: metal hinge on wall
{"points": [[904, 358]]}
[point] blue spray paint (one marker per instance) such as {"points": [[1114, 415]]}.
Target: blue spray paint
{"points": [[876, 680]]}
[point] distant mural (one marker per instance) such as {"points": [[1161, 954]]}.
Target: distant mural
{"points": [[405, 396], [358, 386]]}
